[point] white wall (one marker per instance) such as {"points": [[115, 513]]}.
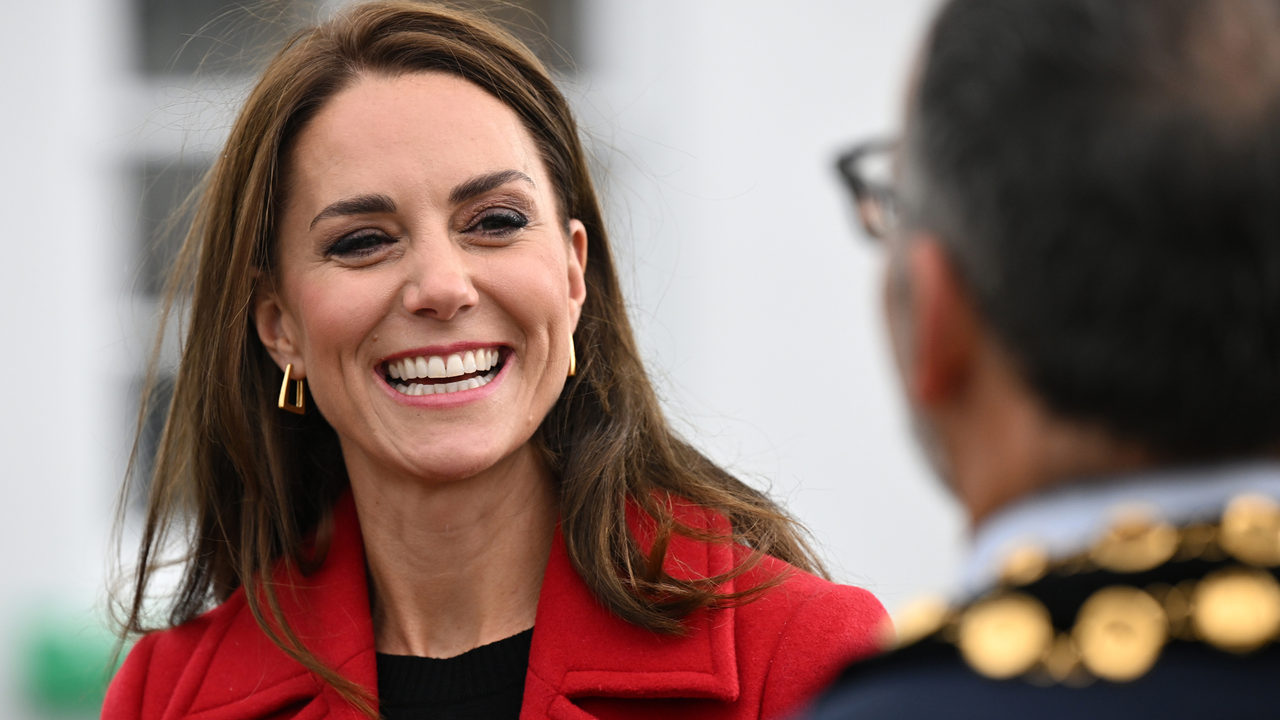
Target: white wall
{"points": [[716, 121], [63, 243], [757, 300]]}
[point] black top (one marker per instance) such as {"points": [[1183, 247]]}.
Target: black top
{"points": [[486, 683]]}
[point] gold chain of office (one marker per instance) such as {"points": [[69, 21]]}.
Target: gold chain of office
{"points": [[1120, 630]]}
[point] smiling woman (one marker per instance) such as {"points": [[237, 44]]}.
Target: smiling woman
{"points": [[481, 512]]}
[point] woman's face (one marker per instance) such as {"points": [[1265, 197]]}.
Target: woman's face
{"points": [[426, 288]]}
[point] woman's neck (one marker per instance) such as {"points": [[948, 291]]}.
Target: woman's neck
{"points": [[455, 565]]}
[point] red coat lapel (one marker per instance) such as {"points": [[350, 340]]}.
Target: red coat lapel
{"points": [[580, 650]]}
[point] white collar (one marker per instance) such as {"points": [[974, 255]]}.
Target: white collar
{"points": [[1067, 519]]}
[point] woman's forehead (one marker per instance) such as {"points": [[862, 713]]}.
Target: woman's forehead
{"points": [[430, 128]]}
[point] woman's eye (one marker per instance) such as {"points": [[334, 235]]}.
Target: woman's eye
{"points": [[358, 243], [500, 222]]}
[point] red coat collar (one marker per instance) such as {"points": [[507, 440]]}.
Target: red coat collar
{"points": [[579, 649]]}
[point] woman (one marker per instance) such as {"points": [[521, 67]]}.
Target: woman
{"points": [[469, 517]]}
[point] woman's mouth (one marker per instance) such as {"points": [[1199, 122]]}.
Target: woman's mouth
{"points": [[443, 374]]}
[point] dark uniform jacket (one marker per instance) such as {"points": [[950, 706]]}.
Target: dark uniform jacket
{"points": [[1152, 621]]}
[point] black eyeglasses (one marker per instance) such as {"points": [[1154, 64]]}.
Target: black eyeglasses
{"points": [[867, 171]]}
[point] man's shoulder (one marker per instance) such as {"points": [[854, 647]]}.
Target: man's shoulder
{"points": [[1151, 620], [932, 679]]}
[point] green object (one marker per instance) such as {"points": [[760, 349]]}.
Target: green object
{"points": [[67, 664]]}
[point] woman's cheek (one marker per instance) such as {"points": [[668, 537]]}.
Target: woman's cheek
{"points": [[536, 289], [338, 315]]}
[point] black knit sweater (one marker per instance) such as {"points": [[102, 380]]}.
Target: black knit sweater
{"points": [[486, 683]]}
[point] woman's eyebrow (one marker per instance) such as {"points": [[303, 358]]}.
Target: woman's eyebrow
{"points": [[482, 184], [360, 205]]}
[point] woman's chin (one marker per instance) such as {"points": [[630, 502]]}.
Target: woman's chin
{"points": [[454, 461]]}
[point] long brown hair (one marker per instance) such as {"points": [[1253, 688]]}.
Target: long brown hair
{"points": [[246, 484]]}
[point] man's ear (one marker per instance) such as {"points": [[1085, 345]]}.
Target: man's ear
{"points": [[277, 329], [577, 268], [946, 325]]}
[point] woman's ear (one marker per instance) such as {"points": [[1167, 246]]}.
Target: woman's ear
{"points": [[277, 329], [577, 268]]}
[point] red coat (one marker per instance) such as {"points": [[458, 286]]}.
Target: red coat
{"points": [[761, 660]]}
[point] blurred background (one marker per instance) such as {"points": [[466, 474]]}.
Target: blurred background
{"points": [[714, 124]]}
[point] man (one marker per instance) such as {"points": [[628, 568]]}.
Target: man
{"points": [[1083, 293]]}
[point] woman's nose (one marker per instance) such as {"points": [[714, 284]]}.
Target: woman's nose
{"points": [[439, 284]]}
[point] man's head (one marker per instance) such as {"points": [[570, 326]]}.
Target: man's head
{"points": [[1090, 205]]}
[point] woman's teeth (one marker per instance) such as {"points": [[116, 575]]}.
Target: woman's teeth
{"points": [[483, 361], [443, 388]]}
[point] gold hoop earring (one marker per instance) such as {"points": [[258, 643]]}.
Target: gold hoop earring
{"points": [[299, 404], [573, 357]]}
